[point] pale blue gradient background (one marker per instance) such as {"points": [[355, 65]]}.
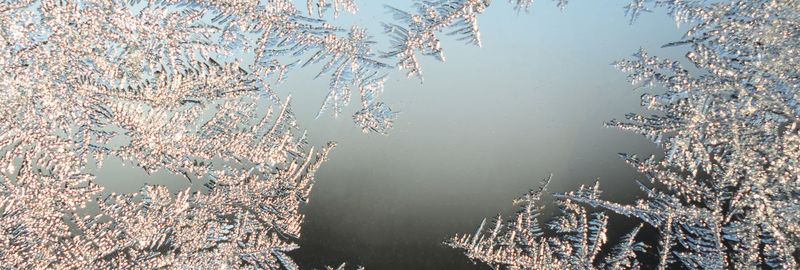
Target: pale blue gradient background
{"points": [[484, 128]]}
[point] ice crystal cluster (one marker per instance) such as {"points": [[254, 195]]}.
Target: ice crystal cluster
{"points": [[182, 86], [520, 243], [418, 32], [185, 86], [727, 194]]}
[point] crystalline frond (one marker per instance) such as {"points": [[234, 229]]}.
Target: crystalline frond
{"points": [[162, 86], [374, 116], [525, 5], [278, 36], [349, 63], [342, 266], [579, 234], [623, 255], [417, 32], [515, 244], [725, 195], [730, 136], [576, 241], [682, 11], [321, 6]]}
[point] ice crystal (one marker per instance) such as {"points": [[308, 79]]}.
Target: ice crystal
{"points": [[726, 194], [525, 5], [321, 6], [342, 267], [181, 86], [417, 32], [520, 243], [186, 86]]}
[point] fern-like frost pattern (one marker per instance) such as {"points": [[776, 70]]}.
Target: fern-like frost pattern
{"points": [[163, 85], [725, 196]]}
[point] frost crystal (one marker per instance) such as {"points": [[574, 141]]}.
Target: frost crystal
{"points": [[182, 86], [521, 243], [175, 85], [525, 5], [727, 193], [416, 32], [321, 6]]}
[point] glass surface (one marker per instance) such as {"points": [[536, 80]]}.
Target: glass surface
{"points": [[483, 128]]}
